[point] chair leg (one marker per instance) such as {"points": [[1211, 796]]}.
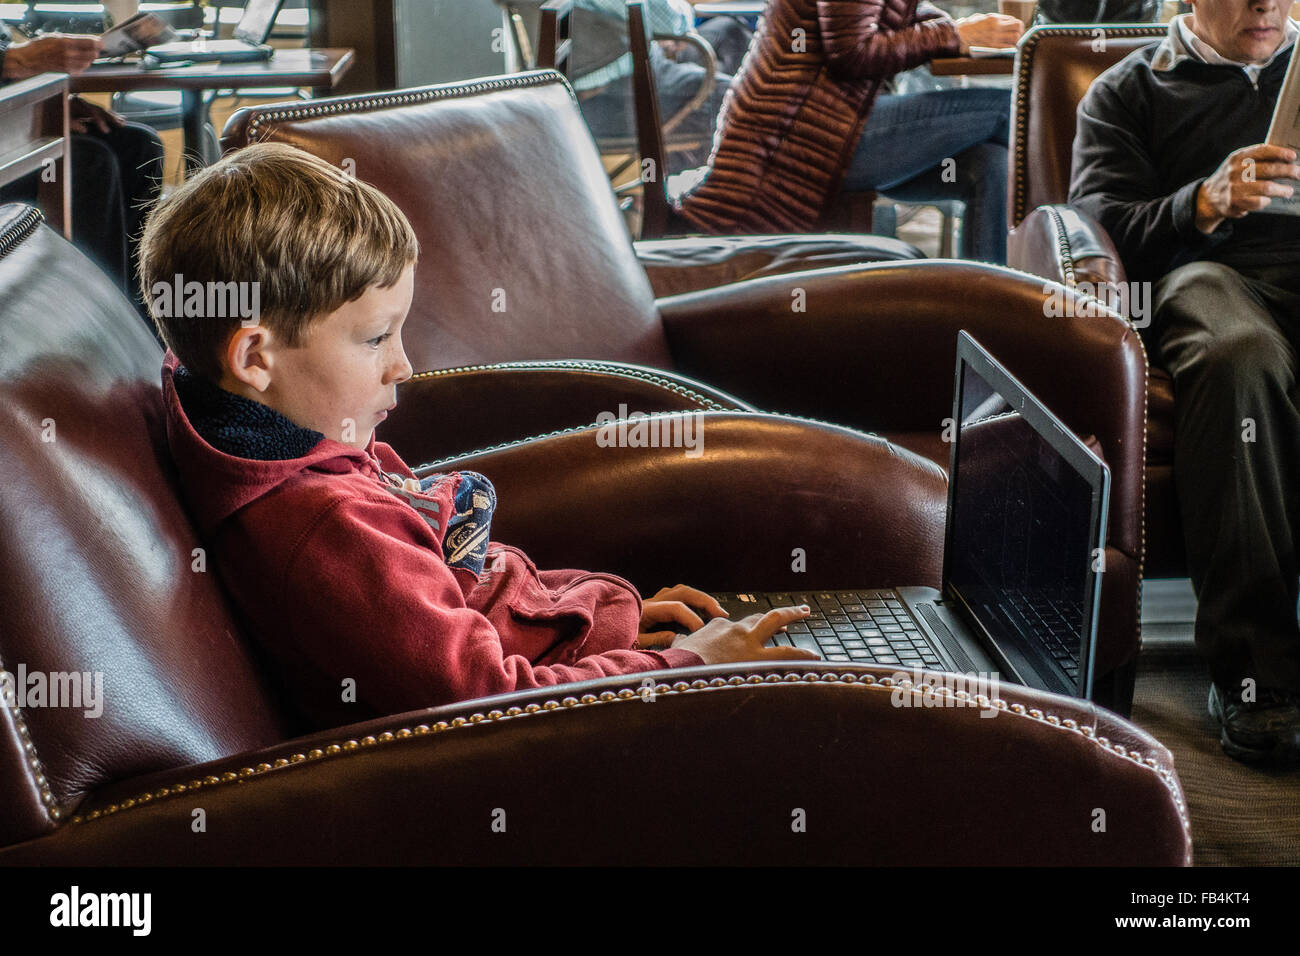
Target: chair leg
{"points": [[947, 245]]}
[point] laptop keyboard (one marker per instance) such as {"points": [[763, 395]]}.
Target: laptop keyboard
{"points": [[865, 627], [1054, 622]]}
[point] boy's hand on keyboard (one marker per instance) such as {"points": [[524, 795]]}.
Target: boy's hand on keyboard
{"points": [[674, 611], [723, 642]]}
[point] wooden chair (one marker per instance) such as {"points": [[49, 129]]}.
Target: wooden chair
{"points": [[554, 48], [34, 136]]}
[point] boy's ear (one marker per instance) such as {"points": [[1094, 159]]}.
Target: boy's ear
{"points": [[248, 357]]}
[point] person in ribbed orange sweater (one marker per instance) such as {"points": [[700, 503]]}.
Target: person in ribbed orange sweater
{"points": [[797, 126]]}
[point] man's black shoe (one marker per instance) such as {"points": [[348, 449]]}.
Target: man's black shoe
{"points": [[1265, 731]]}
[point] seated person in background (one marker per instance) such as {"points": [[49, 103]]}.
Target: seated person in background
{"points": [[1169, 160], [729, 36], [600, 69], [785, 152], [346, 567], [117, 166]]}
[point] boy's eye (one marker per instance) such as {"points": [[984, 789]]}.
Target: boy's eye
{"points": [[378, 340]]}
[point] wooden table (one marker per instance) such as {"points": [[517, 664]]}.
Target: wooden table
{"points": [[973, 66], [320, 70]]}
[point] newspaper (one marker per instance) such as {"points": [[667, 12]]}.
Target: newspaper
{"points": [[138, 33], [1284, 130]]}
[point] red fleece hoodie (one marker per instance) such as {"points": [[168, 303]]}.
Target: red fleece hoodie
{"points": [[337, 578]]}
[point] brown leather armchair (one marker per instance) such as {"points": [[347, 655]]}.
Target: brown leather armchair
{"points": [[99, 575], [526, 275], [1054, 68]]}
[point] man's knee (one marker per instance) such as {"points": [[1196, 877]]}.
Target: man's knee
{"points": [[1190, 289], [1248, 358], [1212, 326]]}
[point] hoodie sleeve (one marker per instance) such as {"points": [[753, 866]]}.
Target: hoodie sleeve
{"points": [[373, 600]]}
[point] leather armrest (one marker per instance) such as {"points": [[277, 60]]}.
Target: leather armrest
{"points": [[494, 404], [861, 510], [1065, 245], [703, 262], [737, 754], [875, 348]]}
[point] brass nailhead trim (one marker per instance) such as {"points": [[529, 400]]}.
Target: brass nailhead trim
{"points": [[780, 416], [427, 95], [1024, 61], [1067, 263], [699, 685], [586, 366], [38, 775]]}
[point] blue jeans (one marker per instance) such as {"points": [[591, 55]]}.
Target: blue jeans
{"points": [[903, 150]]}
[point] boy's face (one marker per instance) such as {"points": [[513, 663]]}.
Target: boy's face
{"points": [[342, 377]]}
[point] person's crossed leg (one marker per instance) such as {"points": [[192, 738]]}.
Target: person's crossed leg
{"points": [[1229, 338], [941, 145]]}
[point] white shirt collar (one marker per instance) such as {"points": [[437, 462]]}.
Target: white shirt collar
{"points": [[1180, 43]]}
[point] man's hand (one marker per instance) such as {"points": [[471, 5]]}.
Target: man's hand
{"points": [[1244, 184], [52, 53], [988, 29], [83, 115], [723, 642], [670, 606]]}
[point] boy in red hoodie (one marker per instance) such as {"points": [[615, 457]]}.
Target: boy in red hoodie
{"points": [[280, 286]]}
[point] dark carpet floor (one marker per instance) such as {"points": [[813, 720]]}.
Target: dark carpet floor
{"points": [[1241, 816]]}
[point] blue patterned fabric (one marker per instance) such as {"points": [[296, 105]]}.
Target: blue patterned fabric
{"points": [[465, 544]]}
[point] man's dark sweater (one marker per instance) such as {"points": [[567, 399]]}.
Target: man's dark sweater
{"points": [[1146, 141]]}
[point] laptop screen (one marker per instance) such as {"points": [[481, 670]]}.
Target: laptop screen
{"points": [[259, 16], [1026, 504]]}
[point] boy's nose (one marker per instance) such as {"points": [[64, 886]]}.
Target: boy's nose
{"points": [[402, 370]]}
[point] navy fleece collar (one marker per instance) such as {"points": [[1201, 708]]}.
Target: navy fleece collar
{"points": [[240, 426]]}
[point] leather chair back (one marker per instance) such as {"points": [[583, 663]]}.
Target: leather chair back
{"points": [[1054, 68], [524, 252], [99, 572]]}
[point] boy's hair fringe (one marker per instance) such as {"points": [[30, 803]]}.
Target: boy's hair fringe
{"points": [[311, 236]]}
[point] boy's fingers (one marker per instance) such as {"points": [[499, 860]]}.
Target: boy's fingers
{"points": [[763, 626], [661, 611], [694, 596], [777, 618]]}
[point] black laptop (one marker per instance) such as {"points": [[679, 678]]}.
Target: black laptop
{"points": [[249, 42], [1022, 561]]}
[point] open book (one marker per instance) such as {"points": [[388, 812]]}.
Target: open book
{"points": [[1284, 130], [136, 34]]}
